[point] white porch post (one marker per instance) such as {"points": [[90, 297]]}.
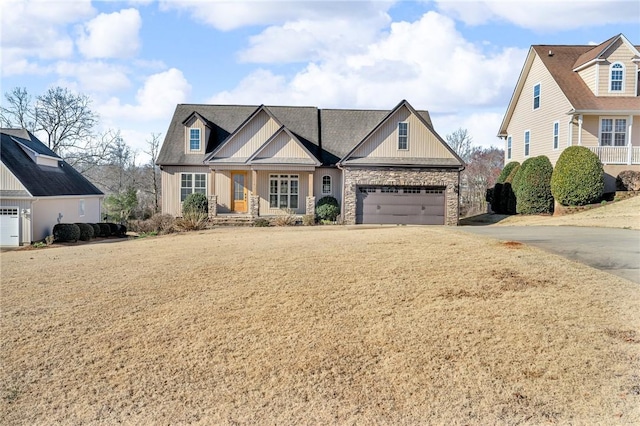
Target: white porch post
{"points": [[580, 129], [570, 132], [629, 146]]}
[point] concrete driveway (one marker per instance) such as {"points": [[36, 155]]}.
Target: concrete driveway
{"points": [[616, 251]]}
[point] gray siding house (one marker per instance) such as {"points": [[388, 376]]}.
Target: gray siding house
{"points": [[382, 166]]}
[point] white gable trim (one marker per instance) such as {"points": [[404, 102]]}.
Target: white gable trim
{"points": [[33, 154], [292, 136]]}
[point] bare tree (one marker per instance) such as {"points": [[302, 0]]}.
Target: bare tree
{"points": [[483, 168], [460, 141], [19, 111], [153, 145]]}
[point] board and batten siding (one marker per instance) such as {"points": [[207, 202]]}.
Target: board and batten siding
{"points": [[336, 183], [383, 143], [196, 123], [553, 107], [171, 186], [263, 192], [251, 137], [25, 219], [619, 52], [9, 181], [282, 146]]}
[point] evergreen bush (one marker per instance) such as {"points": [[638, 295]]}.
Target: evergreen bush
{"points": [[508, 200], [328, 199], [86, 231], [195, 202], [328, 212], [506, 171], [578, 177], [66, 232], [113, 228], [96, 229], [496, 199], [533, 194], [105, 229]]}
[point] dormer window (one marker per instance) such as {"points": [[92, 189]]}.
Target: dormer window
{"points": [[616, 77], [403, 136], [194, 139], [536, 96]]}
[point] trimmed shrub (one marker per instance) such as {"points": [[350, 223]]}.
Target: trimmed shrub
{"points": [[517, 177], [261, 223], [508, 199], [122, 230], [507, 171], [328, 199], [113, 228], [195, 202], [578, 177], [66, 232], [534, 192], [628, 180], [105, 229], [328, 212], [96, 230], [86, 231], [496, 198]]}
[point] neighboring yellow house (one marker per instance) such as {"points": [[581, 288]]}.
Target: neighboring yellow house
{"points": [[577, 95], [257, 161]]}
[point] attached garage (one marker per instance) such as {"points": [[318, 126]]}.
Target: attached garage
{"points": [[9, 227], [404, 205]]}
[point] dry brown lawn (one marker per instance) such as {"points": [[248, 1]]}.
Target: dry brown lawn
{"points": [[325, 325]]}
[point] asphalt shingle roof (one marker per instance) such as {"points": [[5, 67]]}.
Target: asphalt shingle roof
{"points": [[40, 181]]}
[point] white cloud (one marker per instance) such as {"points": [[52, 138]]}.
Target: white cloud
{"points": [[482, 126], [94, 76], [546, 15], [156, 100], [112, 35]]}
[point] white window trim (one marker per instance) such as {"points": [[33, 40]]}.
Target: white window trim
{"points": [[509, 146], [613, 130], [398, 144], [624, 71], [81, 208], [533, 99], [555, 137], [525, 144], [330, 185], [193, 184], [199, 139], [279, 178]]}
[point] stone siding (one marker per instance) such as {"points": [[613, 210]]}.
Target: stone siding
{"points": [[447, 178], [311, 205], [213, 206], [254, 205]]}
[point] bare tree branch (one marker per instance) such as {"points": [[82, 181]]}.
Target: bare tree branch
{"points": [[19, 110], [460, 141]]}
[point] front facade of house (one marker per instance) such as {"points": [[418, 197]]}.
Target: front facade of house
{"points": [[577, 95], [381, 166], [39, 190]]}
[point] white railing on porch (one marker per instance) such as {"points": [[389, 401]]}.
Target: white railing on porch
{"points": [[617, 154]]}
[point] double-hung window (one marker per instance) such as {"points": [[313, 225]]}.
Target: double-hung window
{"points": [[536, 96], [283, 191], [613, 132], [194, 139], [508, 147], [556, 135], [403, 136], [326, 185], [192, 183], [616, 77], [527, 140]]}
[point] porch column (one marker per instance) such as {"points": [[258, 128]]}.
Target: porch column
{"points": [[310, 206], [570, 132], [213, 206], [254, 182], [629, 146], [580, 129]]}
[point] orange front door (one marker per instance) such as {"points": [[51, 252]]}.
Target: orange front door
{"points": [[238, 192]]}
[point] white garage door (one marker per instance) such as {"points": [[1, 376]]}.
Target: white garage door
{"points": [[9, 226], [406, 205]]}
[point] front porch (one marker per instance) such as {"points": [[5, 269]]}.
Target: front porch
{"points": [[617, 154]]}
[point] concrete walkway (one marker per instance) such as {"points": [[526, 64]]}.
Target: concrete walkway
{"points": [[616, 251]]}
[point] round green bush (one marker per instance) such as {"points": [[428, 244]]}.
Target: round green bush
{"points": [[508, 199], [86, 231], [66, 232], [328, 212], [517, 177], [122, 230], [328, 199], [533, 194], [105, 229], [96, 229], [506, 171], [113, 228], [195, 202], [496, 198], [578, 177]]}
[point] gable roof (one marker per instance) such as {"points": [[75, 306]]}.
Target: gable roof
{"points": [[311, 159], [39, 180], [561, 64], [328, 134]]}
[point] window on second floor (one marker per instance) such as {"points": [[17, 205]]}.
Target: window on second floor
{"points": [[508, 147], [536, 96], [616, 77], [527, 139], [613, 132], [403, 136], [556, 135], [194, 139]]}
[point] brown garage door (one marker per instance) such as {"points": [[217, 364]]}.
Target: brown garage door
{"points": [[406, 205]]}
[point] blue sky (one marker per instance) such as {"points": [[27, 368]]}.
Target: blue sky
{"points": [[137, 59]]}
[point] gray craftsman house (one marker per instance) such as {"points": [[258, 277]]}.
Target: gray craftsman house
{"points": [[382, 166]]}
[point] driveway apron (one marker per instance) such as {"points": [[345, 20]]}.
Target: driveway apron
{"points": [[613, 250]]}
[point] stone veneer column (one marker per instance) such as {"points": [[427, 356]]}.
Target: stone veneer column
{"points": [[311, 205], [254, 205], [213, 206]]}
